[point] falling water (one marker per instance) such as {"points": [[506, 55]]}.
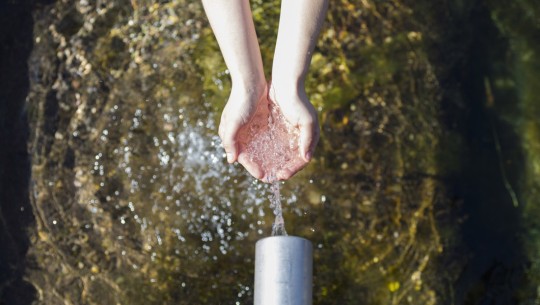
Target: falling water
{"points": [[278, 227], [273, 144]]}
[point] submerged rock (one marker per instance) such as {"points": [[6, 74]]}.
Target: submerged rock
{"points": [[135, 204]]}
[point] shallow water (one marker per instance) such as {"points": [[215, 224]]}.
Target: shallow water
{"points": [[429, 125]]}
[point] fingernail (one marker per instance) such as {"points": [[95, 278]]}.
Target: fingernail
{"points": [[230, 158], [308, 156]]}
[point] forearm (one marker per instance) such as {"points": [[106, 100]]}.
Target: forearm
{"points": [[233, 27], [299, 27]]}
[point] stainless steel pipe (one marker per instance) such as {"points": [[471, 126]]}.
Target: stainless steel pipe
{"points": [[283, 271]]}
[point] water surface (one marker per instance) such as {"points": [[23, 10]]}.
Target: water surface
{"points": [[422, 189]]}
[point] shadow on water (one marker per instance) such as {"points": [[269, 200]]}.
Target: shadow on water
{"points": [[492, 167], [491, 163], [16, 32]]}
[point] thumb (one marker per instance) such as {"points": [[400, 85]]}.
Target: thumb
{"points": [[228, 140], [309, 136]]}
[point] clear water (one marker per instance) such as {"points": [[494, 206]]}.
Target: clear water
{"points": [[273, 144], [271, 141], [132, 202], [278, 227]]}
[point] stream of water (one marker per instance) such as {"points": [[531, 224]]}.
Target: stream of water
{"points": [[423, 189], [278, 227]]}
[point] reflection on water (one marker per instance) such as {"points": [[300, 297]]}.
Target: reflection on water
{"points": [[135, 204]]}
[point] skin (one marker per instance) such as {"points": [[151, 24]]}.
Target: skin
{"points": [[299, 25]]}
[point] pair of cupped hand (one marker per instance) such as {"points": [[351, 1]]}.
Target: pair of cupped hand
{"points": [[249, 106]]}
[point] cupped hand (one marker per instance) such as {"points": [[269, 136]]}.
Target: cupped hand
{"points": [[245, 102], [301, 115], [272, 134]]}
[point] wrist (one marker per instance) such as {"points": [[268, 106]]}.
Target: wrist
{"points": [[247, 93], [248, 80], [286, 88], [252, 87], [287, 70]]}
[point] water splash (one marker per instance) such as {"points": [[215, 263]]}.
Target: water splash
{"points": [[272, 143]]}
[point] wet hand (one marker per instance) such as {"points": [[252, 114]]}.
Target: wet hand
{"points": [[245, 102], [300, 113], [269, 151]]}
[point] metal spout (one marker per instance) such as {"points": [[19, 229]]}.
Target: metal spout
{"points": [[283, 271]]}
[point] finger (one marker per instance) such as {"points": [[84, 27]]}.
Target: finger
{"points": [[253, 168], [228, 140], [292, 169], [284, 174], [309, 136]]}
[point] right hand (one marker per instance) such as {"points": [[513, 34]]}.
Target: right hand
{"points": [[300, 113]]}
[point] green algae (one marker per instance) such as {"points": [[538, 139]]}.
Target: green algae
{"points": [[136, 205]]}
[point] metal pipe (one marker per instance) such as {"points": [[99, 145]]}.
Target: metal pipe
{"points": [[283, 271]]}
